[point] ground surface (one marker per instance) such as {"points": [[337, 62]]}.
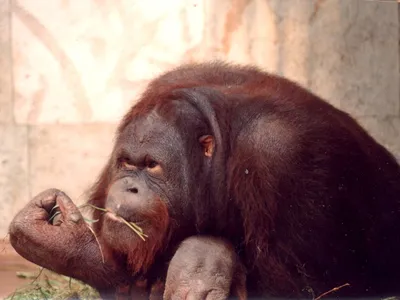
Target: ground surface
{"points": [[10, 264], [20, 280]]}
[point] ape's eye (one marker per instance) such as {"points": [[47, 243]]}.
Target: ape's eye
{"points": [[151, 164], [127, 165]]}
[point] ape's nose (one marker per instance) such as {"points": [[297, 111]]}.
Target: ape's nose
{"points": [[133, 190], [129, 197]]}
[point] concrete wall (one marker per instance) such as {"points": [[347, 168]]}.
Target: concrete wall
{"points": [[69, 70]]}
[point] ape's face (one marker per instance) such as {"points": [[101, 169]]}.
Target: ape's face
{"points": [[157, 169]]}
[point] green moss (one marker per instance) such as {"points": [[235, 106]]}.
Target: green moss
{"points": [[48, 285]]}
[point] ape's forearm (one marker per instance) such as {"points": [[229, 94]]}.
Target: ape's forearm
{"points": [[78, 254]]}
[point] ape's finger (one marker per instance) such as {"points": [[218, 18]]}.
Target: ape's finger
{"points": [[39, 208], [71, 214]]}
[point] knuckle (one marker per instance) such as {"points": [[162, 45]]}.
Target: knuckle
{"points": [[47, 193], [46, 196], [61, 194], [15, 227]]}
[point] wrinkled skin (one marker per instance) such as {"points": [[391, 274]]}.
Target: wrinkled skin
{"points": [[244, 183], [198, 256], [67, 247], [87, 263]]}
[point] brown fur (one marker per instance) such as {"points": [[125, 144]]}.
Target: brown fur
{"points": [[307, 198]]}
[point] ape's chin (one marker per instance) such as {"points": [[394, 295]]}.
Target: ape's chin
{"points": [[140, 248], [140, 254], [118, 235]]}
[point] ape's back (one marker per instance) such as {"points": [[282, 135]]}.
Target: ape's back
{"points": [[319, 198], [322, 204]]}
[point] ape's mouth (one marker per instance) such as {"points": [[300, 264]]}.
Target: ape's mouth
{"points": [[113, 216], [116, 218], [132, 225]]}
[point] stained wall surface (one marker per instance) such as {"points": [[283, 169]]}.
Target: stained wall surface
{"points": [[70, 69]]}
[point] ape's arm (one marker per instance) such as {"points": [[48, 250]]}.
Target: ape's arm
{"points": [[69, 247], [205, 267]]}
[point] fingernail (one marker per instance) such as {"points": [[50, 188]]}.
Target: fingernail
{"points": [[74, 217]]}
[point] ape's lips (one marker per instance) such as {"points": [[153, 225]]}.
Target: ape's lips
{"points": [[113, 216], [116, 218]]}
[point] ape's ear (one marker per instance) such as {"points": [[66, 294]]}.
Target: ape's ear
{"points": [[202, 98], [209, 103], [207, 142]]}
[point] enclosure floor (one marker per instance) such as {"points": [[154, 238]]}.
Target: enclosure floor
{"points": [[10, 263]]}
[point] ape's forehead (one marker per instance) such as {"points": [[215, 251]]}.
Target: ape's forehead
{"points": [[146, 127], [151, 129]]}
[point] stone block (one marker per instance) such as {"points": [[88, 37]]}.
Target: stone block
{"points": [[14, 188], [88, 62], [386, 130], [6, 101], [68, 157], [370, 65], [80, 62], [345, 51]]}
